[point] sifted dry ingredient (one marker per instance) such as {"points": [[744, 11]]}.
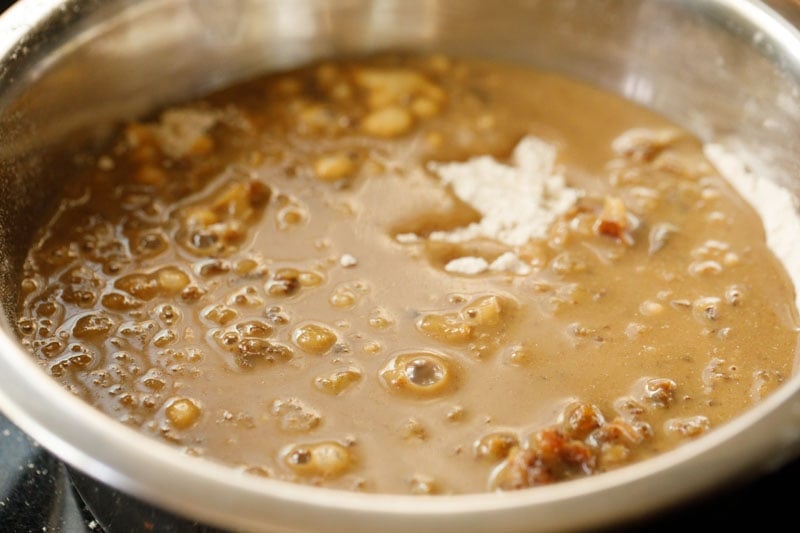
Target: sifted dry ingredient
{"points": [[409, 274]]}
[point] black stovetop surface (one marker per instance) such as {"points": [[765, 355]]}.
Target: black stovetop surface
{"points": [[35, 491]]}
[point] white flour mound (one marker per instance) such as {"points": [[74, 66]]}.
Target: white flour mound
{"points": [[776, 206], [517, 202]]}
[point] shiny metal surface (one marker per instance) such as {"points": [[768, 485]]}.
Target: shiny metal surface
{"points": [[726, 69]]}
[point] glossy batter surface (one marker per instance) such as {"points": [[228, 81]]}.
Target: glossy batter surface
{"points": [[280, 276]]}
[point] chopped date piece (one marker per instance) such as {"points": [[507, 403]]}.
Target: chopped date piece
{"points": [[613, 221], [583, 444], [618, 431], [251, 351], [581, 419], [660, 391], [550, 457], [688, 427]]}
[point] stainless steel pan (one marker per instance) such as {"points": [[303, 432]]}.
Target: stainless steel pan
{"points": [[726, 69]]}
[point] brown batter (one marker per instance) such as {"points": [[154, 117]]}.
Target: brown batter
{"points": [[232, 276]]}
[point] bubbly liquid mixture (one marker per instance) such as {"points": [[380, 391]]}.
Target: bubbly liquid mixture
{"points": [[278, 276]]}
